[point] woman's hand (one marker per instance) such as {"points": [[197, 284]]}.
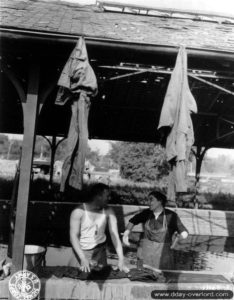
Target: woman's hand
{"points": [[85, 264], [184, 235]]}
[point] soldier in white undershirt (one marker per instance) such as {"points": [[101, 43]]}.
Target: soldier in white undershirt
{"points": [[87, 231]]}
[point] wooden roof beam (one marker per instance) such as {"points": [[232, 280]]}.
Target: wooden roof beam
{"points": [[125, 75], [159, 71], [115, 45], [212, 84], [214, 100], [146, 109]]}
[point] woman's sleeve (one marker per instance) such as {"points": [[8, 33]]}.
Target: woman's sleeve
{"points": [[140, 217], [179, 225]]}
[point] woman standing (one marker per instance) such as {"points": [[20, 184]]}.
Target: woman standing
{"points": [[159, 226]]}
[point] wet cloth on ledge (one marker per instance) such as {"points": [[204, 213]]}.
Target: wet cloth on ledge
{"points": [[77, 83], [143, 275], [106, 273], [178, 104]]}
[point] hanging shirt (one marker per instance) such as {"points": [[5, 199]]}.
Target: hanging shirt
{"points": [[176, 111], [92, 231]]}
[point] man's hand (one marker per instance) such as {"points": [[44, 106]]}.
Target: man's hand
{"points": [[122, 266], [85, 264], [126, 238]]}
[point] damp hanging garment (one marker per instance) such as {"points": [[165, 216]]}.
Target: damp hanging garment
{"points": [[178, 105], [77, 84]]}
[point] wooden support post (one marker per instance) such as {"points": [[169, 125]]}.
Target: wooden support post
{"points": [[199, 159], [52, 158], [199, 154], [30, 108]]}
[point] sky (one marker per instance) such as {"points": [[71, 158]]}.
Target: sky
{"points": [[214, 6], [101, 146]]}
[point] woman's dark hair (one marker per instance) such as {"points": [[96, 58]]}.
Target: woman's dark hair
{"points": [[96, 189], [160, 197]]}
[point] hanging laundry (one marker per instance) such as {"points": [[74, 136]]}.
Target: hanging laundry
{"points": [[178, 105], [77, 84]]}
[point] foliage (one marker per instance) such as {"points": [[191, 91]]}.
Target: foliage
{"points": [[128, 194], [133, 194], [9, 149], [61, 150], [140, 162], [6, 187], [15, 149], [4, 145], [219, 164], [93, 157], [42, 148]]}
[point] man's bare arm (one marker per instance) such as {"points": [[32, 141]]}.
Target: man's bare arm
{"points": [[113, 228], [75, 221]]}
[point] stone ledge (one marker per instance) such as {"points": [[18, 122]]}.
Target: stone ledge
{"points": [[121, 289]]}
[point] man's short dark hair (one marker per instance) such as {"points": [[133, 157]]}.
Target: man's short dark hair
{"points": [[97, 189], [160, 197]]}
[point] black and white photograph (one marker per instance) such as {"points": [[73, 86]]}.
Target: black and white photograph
{"points": [[116, 149]]}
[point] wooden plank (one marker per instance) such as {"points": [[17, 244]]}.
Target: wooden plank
{"points": [[165, 71], [30, 109], [125, 75], [212, 84]]}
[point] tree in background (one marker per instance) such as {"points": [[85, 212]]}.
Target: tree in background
{"points": [[9, 148], [42, 148], [92, 156], [140, 162], [4, 145], [61, 151], [14, 149], [219, 164]]}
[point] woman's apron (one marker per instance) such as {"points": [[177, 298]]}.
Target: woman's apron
{"points": [[155, 248]]}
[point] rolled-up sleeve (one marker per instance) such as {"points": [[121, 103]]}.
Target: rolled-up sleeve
{"points": [[179, 225], [141, 217]]}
